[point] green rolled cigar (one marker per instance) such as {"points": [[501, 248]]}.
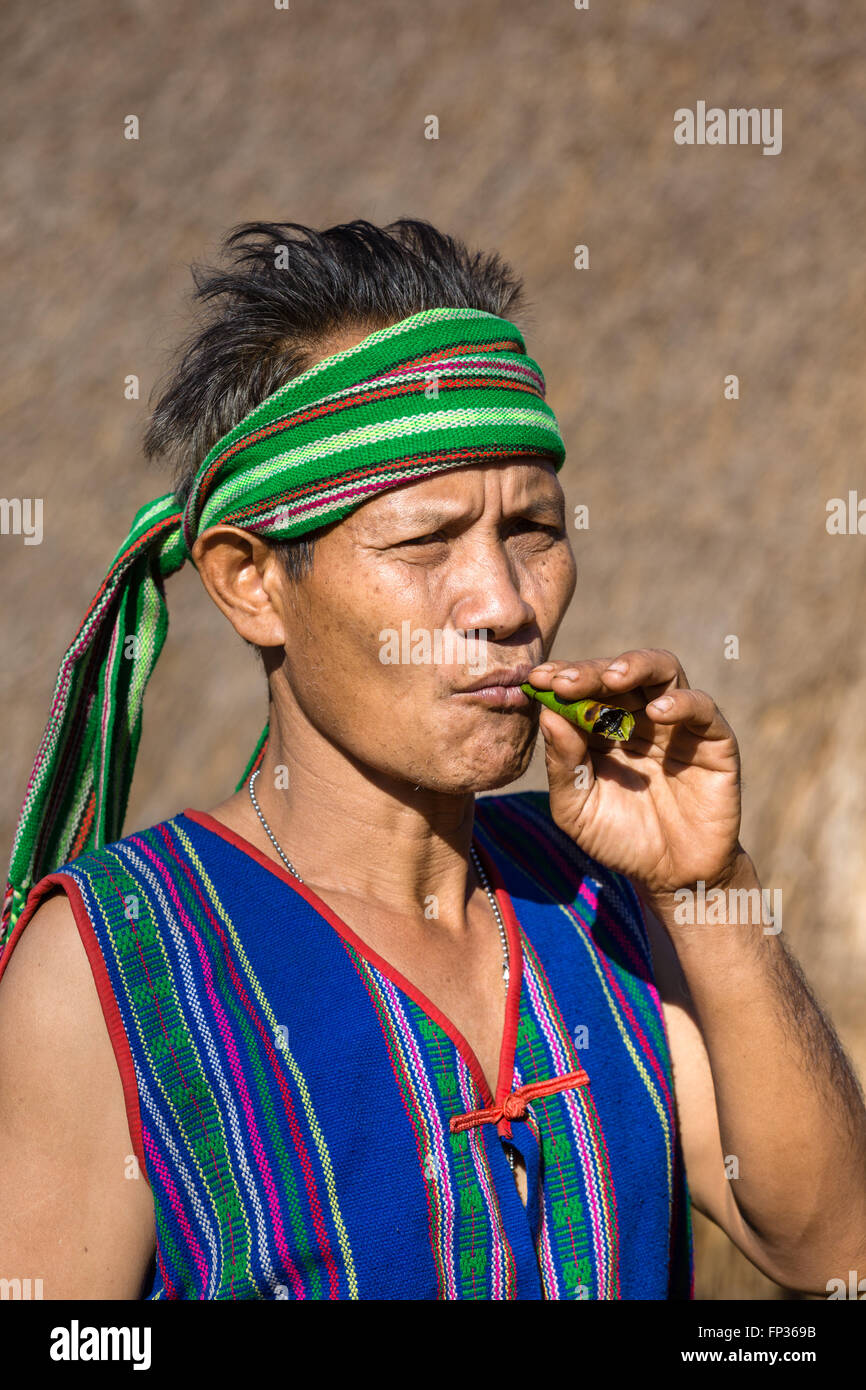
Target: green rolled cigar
{"points": [[589, 715]]}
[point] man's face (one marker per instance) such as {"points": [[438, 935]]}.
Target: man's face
{"points": [[477, 550]]}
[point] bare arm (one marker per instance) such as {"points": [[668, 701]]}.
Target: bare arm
{"points": [[70, 1216], [761, 1078]]}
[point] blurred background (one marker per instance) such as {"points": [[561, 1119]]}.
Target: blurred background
{"points": [[707, 516]]}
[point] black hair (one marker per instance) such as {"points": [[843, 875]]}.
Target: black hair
{"points": [[286, 294]]}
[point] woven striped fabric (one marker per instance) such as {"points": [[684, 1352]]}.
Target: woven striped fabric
{"points": [[296, 1104], [441, 389]]}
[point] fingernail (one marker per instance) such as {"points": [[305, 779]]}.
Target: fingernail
{"points": [[570, 675], [662, 703], [619, 666]]}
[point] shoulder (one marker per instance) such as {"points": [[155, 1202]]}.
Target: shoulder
{"points": [[60, 1012], [65, 1139], [51, 1008], [49, 951], [56, 1057]]}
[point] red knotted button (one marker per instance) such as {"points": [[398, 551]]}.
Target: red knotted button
{"points": [[514, 1107]]}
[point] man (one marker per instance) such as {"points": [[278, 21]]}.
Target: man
{"points": [[352, 1033]]}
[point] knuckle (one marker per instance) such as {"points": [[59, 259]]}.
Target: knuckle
{"points": [[664, 651]]}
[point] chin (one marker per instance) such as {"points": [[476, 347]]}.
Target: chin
{"points": [[492, 784], [478, 770]]}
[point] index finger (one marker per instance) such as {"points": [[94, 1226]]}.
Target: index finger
{"points": [[653, 670], [579, 680]]}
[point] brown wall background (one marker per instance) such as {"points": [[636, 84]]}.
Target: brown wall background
{"points": [[707, 516]]}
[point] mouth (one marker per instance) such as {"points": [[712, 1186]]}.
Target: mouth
{"points": [[499, 688]]}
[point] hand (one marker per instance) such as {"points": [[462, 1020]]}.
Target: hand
{"points": [[662, 808]]}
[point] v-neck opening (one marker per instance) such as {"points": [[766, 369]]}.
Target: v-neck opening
{"points": [[508, 1043]]}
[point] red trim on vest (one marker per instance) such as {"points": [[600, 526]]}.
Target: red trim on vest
{"points": [[508, 1043]]}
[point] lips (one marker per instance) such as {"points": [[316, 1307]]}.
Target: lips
{"points": [[499, 689], [501, 678]]}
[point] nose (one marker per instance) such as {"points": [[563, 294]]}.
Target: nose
{"points": [[491, 599]]}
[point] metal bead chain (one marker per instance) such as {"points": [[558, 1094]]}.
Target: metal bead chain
{"points": [[270, 834], [491, 898]]}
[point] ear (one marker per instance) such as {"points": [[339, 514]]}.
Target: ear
{"points": [[246, 582]]}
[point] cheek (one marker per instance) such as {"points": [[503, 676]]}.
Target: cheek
{"points": [[568, 576], [346, 662], [552, 580], [375, 618], [340, 620]]}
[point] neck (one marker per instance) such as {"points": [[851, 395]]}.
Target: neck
{"points": [[351, 831]]}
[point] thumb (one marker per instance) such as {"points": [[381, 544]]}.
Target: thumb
{"points": [[569, 764]]}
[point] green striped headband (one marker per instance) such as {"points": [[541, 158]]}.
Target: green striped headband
{"points": [[444, 388]]}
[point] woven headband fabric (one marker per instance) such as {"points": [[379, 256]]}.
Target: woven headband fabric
{"points": [[441, 389]]}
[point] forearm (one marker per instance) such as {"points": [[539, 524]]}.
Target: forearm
{"points": [[791, 1116]]}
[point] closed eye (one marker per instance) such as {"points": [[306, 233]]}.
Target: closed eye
{"points": [[525, 524], [520, 526], [430, 538]]}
